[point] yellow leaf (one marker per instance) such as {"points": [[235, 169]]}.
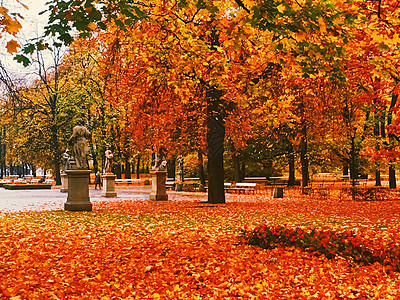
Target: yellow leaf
{"points": [[92, 26], [281, 8], [3, 11], [12, 26], [12, 46], [301, 36], [322, 25]]}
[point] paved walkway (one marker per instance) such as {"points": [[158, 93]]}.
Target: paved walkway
{"points": [[35, 200]]}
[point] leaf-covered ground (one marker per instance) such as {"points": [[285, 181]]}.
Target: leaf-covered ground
{"points": [[190, 250]]}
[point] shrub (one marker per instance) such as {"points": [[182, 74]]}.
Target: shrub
{"points": [[190, 187], [330, 243], [11, 186]]}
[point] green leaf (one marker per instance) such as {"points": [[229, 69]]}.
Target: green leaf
{"points": [[22, 59]]}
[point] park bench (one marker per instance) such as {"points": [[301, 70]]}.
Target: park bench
{"points": [[245, 187], [279, 180], [170, 183], [191, 179], [227, 186], [127, 181], [257, 179]]}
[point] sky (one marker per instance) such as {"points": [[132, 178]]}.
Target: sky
{"points": [[32, 26]]}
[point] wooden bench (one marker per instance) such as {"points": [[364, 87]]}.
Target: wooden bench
{"points": [[245, 186], [127, 181], [170, 183], [280, 180], [191, 179], [227, 186]]}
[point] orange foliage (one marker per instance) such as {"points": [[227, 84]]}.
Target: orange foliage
{"points": [[189, 250]]}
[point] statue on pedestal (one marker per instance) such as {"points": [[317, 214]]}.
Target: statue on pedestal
{"points": [[65, 161], [160, 164], [80, 149], [108, 164]]}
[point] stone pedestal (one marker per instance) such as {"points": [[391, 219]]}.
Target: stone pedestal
{"points": [[78, 191], [158, 189], [109, 185], [64, 183]]}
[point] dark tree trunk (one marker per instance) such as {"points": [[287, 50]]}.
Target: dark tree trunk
{"points": [[345, 170], [353, 169], [291, 179], [392, 177], [304, 155], [138, 168], [392, 171], [127, 168], [117, 170], [56, 157], [236, 167], [243, 170], [171, 166], [215, 141], [378, 177], [202, 176], [33, 171]]}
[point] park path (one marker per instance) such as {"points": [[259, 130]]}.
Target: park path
{"points": [[38, 200]]}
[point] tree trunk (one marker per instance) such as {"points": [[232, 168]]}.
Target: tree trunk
{"points": [[291, 179], [345, 169], [304, 156], [171, 166], [392, 177], [392, 171], [378, 177], [353, 173], [117, 170], [243, 170], [33, 170], [56, 156], [215, 141], [202, 176], [138, 168], [236, 167], [127, 168]]}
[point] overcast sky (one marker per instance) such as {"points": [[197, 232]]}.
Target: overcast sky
{"points": [[32, 26]]}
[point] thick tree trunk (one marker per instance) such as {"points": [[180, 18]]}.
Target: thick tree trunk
{"points": [[378, 178], [215, 141], [392, 177]]}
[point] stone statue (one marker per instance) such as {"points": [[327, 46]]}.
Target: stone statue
{"points": [[65, 160], [180, 162], [80, 149], [108, 164], [159, 162]]}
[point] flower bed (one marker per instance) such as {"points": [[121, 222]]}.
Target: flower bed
{"points": [[36, 186], [360, 248]]}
